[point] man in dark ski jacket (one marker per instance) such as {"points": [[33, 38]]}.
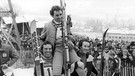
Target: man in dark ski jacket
{"points": [[86, 58], [8, 57]]}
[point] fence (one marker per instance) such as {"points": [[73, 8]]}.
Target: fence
{"points": [[126, 69]]}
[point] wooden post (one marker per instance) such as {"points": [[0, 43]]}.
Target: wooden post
{"points": [[14, 24]]}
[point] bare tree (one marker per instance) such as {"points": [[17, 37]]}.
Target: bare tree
{"points": [[4, 12]]}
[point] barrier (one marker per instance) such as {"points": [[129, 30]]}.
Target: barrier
{"points": [[126, 69]]}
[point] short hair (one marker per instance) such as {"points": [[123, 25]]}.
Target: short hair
{"points": [[55, 8], [45, 43], [132, 43], [81, 42]]}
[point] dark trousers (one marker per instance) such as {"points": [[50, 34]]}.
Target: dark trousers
{"points": [[116, 74], [42, 70]]}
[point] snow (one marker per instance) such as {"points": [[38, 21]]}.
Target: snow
{"points": [[19, 19], [27, 71], [22, 72]]}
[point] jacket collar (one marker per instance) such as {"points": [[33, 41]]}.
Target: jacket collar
{"points": [[56, 24]]}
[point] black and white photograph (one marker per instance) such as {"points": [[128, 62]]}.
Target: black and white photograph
{"points": [[67, 37]]}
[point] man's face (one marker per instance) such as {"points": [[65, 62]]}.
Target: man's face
{"points": [[106, 50], [112, 54], [125, 52], [118, 51], [109, 43], [85, 47], [47, 50], [57, 16]]}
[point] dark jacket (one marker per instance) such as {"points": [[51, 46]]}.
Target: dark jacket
{"points": [[90, 67], [8, 55]]}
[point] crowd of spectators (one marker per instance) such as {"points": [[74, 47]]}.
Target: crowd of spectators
{"points": [[124, 50], [26, 41]]}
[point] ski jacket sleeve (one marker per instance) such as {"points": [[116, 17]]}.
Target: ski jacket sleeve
{"points": [[13, 56]]}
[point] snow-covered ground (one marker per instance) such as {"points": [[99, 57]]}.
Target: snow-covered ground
{"points": [[26, 71], [21, 72]]}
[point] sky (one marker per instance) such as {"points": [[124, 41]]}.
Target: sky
{"points": [[78, 9]]}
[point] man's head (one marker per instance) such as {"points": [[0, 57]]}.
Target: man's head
{"points": [[46, 49], [118, 50], [132, 46], [106, 50], [133, 52], [56, 12], [84, 45], [111, 53]]}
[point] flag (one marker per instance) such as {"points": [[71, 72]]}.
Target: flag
{"points": [[33, 26]]}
